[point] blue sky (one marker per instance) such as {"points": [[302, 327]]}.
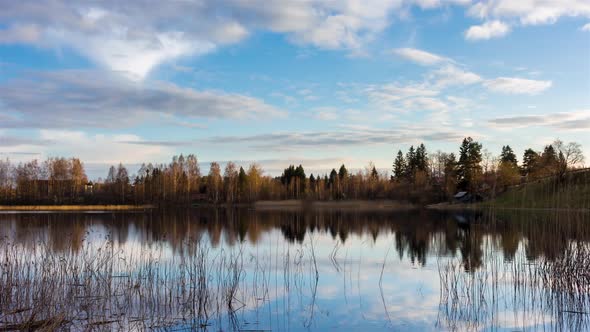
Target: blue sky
{"points": [[313, 82]]}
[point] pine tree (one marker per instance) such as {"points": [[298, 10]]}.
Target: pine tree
{"points": [[399, 166], [469, 168], [333, 177], [508, 169], [508, 157], [242, 183], [530, 161], [411, 164], [342, 173], [549, 162], [421, 158]]}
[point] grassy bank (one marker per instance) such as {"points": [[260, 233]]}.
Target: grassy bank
{"points": [[74, 207], [571, 192]]}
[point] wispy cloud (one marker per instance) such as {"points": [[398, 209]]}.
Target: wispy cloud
{"points": [[452, 75], [289, 141], [420, 57], [69, 99], [577, 120], [105, 148], [15, 141], [324, 139], [514, 85]]}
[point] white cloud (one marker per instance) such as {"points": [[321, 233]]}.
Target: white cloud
{"points": [[512, 85], [586, 27], [136, 36], [420, 57], [134, 57], [490, 29], [530, 12]]}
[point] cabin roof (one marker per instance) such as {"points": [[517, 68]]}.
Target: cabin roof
{"points": [[460, 194]]}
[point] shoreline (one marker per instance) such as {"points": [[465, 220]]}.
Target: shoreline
{"points": [[66, 208], [343, 205], [284, 205], [479, 206]]}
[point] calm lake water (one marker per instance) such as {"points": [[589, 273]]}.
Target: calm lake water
{"points": [[276, 270]]}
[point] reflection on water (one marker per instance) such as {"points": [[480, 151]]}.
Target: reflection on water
{"points": [[241, 269]]}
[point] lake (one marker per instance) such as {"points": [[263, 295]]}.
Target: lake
{"points": [[292, 270]]}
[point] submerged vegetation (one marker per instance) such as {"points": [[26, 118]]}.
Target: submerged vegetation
{"points": [[417, 177]]}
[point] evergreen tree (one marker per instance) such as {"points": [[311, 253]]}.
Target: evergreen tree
{"points": [[242, 183], [508, 157], [549, 161], [469, 168], [508, 169], [312, 182], [399, 166], [421, 162], [530, 161], [411, 164], [333, 177], [111, 177], [342, 173], [300, 174]]}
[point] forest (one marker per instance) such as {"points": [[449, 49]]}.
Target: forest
{"points": [[416, 176]]}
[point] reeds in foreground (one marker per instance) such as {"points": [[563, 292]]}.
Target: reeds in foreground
{"points": [[103, 287], [549, 294]]}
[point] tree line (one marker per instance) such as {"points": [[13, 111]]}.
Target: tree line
{"points": [[416, 176]]}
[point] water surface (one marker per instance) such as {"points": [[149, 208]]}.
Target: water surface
{"points": [[242, 269]]}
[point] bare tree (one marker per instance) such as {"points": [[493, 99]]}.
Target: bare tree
{"points": [[230, 179], [570, 155], [214, 181], [5, 179]]}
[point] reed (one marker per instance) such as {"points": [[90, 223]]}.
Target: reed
{"points": [[548, 293], [105, 287]]}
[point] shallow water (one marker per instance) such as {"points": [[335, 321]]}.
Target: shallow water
{"points": [[241, 269]]}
